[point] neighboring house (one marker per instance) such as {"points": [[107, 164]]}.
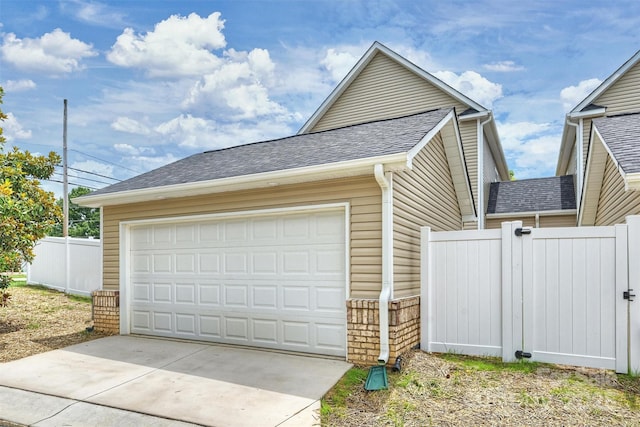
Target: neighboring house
{"points": [[308, 243], [537, 202], [384, 85], [601, 146]]}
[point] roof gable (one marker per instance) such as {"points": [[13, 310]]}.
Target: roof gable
{"points": [[368, 93], [585, 104]]}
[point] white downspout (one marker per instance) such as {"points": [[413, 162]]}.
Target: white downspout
{"points": [[579, 149], [385, 183], [481, 172]]}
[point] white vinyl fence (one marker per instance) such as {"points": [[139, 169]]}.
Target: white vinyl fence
{"points": [[67, 264], [556, 295]]}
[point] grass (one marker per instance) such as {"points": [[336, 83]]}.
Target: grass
{"points": [[453, 389], [335, 401]]}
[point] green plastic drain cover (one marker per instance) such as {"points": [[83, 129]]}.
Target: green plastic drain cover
{"points": [[377, 378]]}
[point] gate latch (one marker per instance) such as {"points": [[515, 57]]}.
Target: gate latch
{"points": [[522, 354], [628, 295], [520, 231]]}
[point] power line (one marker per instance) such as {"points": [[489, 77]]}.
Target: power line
{"points": [[94, 173], [103, 160], [87, 179], [72, 183]]}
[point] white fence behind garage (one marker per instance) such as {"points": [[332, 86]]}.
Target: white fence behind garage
{"points": [[555, 294], [70, 265]]}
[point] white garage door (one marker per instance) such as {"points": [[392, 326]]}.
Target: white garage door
{"points": [[275, 281]]}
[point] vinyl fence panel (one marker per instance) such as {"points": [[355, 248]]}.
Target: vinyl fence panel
{"points": [[70, 265]]}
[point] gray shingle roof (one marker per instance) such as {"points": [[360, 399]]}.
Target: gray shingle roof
{"points": [[622, 136], [373, 139], [532, 195]]}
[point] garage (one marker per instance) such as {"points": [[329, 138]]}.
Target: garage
{"points": [[273, 279]]}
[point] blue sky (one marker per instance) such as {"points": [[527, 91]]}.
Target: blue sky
{"points": [[150, 82]]}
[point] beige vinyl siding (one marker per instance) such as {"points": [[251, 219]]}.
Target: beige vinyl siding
{"points": [[615, 203], [559, 221], [527, 221], [624, 95], [470, 225], [384, 89], [423, 196], [362, 193], [469, 137]]}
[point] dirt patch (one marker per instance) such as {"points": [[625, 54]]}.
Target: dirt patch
{"points": [[38, 320], [450, 390]]}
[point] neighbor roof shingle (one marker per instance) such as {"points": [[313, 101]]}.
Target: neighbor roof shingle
{"points": [[532, 195], [373, 139], [622, 136]]}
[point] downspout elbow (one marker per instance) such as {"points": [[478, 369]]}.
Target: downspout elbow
{"points": [[387, 261]]}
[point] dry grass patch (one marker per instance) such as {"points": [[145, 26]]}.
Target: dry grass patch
{"points": [[451, 390], [38, 319]]}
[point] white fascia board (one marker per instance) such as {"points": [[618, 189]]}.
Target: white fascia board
{"points": [[632, 182], [474, 116], [608, 82], [496, 148], [596, 112], [344, 169], [428, 137], [533, 213], [566, 144]]}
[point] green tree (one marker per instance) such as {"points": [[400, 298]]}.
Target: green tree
{"points": [[83, 222], [27, 212]]}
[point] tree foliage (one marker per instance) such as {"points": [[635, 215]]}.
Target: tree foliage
{"points": [[83, 222], [27, 212]]}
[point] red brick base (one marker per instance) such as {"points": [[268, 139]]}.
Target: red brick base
{"points": [[363, 329], [106, 311]]}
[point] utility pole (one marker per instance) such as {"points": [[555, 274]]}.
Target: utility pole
{"points": [[65, 180]]}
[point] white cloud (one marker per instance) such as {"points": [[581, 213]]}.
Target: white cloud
{"points": [[95, 13], [573, 95], [127, 125], [54, 53], [512, 134], [530, 148], [178, 46], [240, 84], [338, 63], [192, 132], [503, 66], [18, 85], [13, 129], [472, 85], [133, 151]]}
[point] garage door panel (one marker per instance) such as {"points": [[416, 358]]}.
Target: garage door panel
{"points": [[162, 321], [265, 297], [270, 281], [236, 296], [186, 324], [162, 263], [185, 293]]}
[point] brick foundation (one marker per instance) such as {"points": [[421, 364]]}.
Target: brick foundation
{"points": [[106, 311], [363, 331]]}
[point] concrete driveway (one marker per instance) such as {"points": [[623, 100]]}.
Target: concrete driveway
{"points": [[127, 380]]}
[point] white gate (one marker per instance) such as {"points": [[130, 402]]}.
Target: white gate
{"points": [[552, 295]]}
